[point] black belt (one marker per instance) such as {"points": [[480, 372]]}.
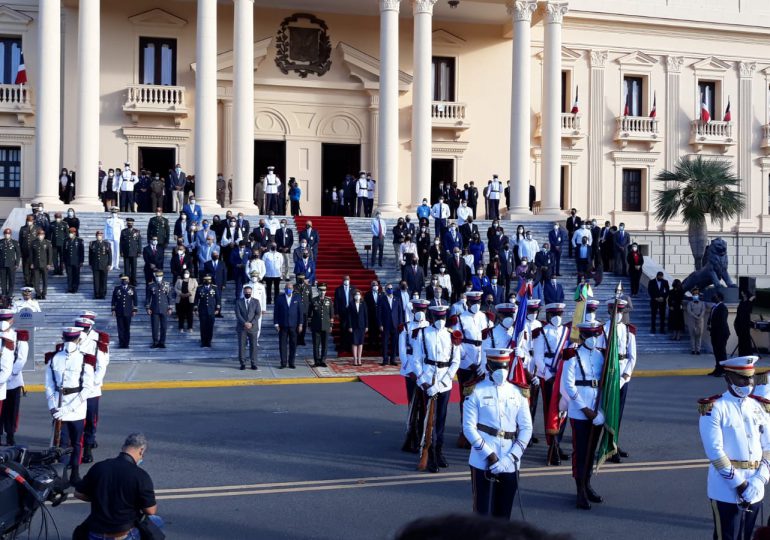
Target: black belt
{"points": [[622, 356], [475, 342], [438, 364], [591, 383], [73, 390], [550, 355], [510, 435]]}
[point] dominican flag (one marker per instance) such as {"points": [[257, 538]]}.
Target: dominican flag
{"points": [[626, 107], [728, 116], [516, 373], [21, 72], [654, 111], [575, 107], [705, 116]]}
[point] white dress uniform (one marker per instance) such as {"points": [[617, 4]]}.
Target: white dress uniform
{"points": [[458, 308], [626, 349], [437, 345], [30, 304], [494, 189], [257, 265], [407, 348], [7, 359], [20, 354], [69, 371], [547, 350], [471, 325], [89, 344], [272, 183], [527, 339], [362, 187], [498, 338], [580, 380], [112, 229]]}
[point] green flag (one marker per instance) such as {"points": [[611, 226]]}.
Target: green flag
{"points": [[610, 397]]}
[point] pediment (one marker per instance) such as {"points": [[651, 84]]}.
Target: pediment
{"points": [[712, 63], [445, 38], [10, 16], [637, 58], [568, 56], [366, 68], [225, 60], [157, 17]]}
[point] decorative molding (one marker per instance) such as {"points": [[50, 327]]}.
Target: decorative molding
{"points": [[456, 148], [270, 121], [637, 59], [568, 56], [555, 11], [366, 68], [674, 64], [390, 5], [423, 6], [634, 158], [157, 17], [11, 17], [521, 10], [747, 69], [167, 135], [341, 126], [711, 63], [304, 60], [226, 59], [599, 59], [442, 38]]}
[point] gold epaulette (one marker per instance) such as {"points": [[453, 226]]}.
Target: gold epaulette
{"points": [[706, 404], [762, 401]]}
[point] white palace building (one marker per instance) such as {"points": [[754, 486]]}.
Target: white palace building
{"points": [[415, 91]]}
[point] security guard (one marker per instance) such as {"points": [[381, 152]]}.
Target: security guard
{"points": [[305, 292], [549, 348], [496, 421], [130, 249], [532, 332], [98, 344], [581, 375], [735, 430], [13, 358], [10, 258], [158, 226], [627, 358], [409, 338], [26, 302], [437, 360], [41, 261], [207, 305], [158, 304], [474, 326], [58, 235], [100, 261], [69, 380], [124, 302], [73, 258], [321, 319]]}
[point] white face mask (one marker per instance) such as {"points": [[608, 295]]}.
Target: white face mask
{"points": [[619, 317], [72, 235], [474, 308], [507, 322], [498, 377], [4, 326], [556, 320], [590, 342], [695, 298], [590, 317], [154, 243], [357, 297], [439, 324], [375, 288], [742, 391], [346, 283], [187, 276], [419, 316], [531, 316], [158, 279], [70, 346]]}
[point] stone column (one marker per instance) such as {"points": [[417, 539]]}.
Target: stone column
{"points": [[243, 87], [554, 15], [521, 116], [372, 149], [227, 139], [745, 138], [422, 99], [48, 102], [597, 128], [206, 105], [387, 130], [673, 70]]}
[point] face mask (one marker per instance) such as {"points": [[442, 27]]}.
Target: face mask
{"points": [[289, 292], [742, 391], [494, 282], [346, 283], [4, 325], [272, 248], [555, 227], [375, 288], [457, 255], [498, 377], [590, 342], [622, 228], [206, 226], [99, 237], [439, 324], [556, 320], [389, 291], [507, 322], [634, 248], [158, 279], [357, 297], [192, 201], [419, 316], [41, 237], [247, 295], [283, 225], [154, 243], [70, 346], [531, 316], [695, 298], [475, 308], [437, 242], [130, 225], [72, 236], [7, 236], [590, 317], [58, 220], [111, 175], [187, 276]]}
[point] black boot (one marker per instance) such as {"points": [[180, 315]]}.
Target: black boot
{"points": [[562, 453], [432, 464], [615, 458], [591, 494], [88, 456], [621, 453], [440, 459], [553, 455], [74, 475], [582, 498]]}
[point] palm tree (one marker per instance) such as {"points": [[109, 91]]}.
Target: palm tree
{"points": [[699, 188]]}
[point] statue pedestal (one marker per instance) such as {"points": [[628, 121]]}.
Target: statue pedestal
{"points": [[730, 294]]}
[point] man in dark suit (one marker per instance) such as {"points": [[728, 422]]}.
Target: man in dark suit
{"points": [[181, 260], [343, 296], [719, 330], [553, 292], [467, 230], [247, 313], [260, 237], [622, 241], [658, 290], [389, 316], [243, 225], [573, 223], [284, 240], [311, 235], [595, 235], [414, 277], [607, 246], [239, 258], [452, 239], [153, 259], [473, 198], [130, 248], [459, 274], [288, 321], [544, 259], [496, 290], [371, 299], [556, 239], [208, 304], [217, 270]]}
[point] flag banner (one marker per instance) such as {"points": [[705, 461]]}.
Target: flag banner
{"points": [[654, 111], [626, 107], [21, 72], [609, 396], [705, 115], [516, 374], [728, 116], [575, 106], [556, 415], [582, 293]]}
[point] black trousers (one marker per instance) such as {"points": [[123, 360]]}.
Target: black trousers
{"points": [[72, 437], [442, 403], [272, 285], [40, 280], [301, 334], [493, 497], [584, 441], [389, 344], [184, 313], [207, 329], [271, 203], [378, 245], [6, 281], [100, 282], [58, 260], [719, 346], [636, 277], [727, 520], [27, 270], [73, 278], [9, 415], [623, 394], [92, 420], [494, 209], [159, 323], [129, 267], [360, 206], [126, 201], [287, 344], [319, 346], [556, 261], [658, 309], [534, 394], [124, 330]]}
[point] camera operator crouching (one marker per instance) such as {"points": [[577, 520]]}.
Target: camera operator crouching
{"points": [[122, 497]]}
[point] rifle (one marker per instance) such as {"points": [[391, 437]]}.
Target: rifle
{"points": [[427, 432], [56, 435], [413, 421]]}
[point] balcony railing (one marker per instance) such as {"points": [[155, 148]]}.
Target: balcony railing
{"points": [[766, 136], [16, 99], [637, 129], [450, 115], [714, 133], [571, 127], [155, 99]]}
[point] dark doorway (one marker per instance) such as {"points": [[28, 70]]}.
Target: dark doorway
{"points": [[441, 170], [337, 161], [161, 161], [271, 154]]}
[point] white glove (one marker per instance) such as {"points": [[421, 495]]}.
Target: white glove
{"points": [[518, 351], [517, 451], [59, 414], [599, 420], [535, 381], [432, 391], [504, 465], [755, 491]]}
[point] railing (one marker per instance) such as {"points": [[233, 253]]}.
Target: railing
{"points": [[713, 130], [640, 126], [448, 111], [157, 98], [766, 132], [15, 96], [570, 123]]}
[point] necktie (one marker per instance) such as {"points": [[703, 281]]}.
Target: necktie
{"points": [[379, 228]]}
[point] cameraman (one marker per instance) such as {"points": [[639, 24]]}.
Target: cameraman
{"points": [[120, 492]]}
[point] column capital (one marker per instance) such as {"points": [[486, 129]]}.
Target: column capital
{"points": [[423, 6], [555, 11], [674, 64], [599, 59], [521, 10], [390, 5], [747, 69]]}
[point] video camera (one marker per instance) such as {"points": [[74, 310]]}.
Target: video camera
{"points": [[28, 479]]}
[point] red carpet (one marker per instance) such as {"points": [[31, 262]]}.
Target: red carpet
{"points": [[392, 388], [337, 256]]}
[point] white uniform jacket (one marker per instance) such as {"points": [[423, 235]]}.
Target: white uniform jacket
{"points": [[498, 338], [580, 380], [7, 357], [471, 325], [30, 304], [626, 348], [271, 183], [531, 333], [548, 350], [97, 344], [20, 340], [112, 228], [409, 340], [435, 346], [74, 373]]}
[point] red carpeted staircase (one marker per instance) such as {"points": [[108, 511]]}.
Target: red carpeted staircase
{"points": [[337, 257]]}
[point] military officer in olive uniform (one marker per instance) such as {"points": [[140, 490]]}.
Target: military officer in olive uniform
{"points": [[100, 261], [58, 235], [74, 256], [321, 317], [130, 249], [158, 226], [124, 303], [302, 288], [157, 187], [41, 262], [207, 304], [10, 257], [158, 305], [26, 237]]}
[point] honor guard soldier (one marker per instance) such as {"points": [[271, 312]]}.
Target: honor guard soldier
{"points": [[69, 380], [73, 258], [10, 258], [495, 188], [130, 249], [437, 360], [497, 423], [305, 292], [158, 227], [207, 305], [474, 326], [409, 339], [501, 336], [158, 305], [41, 262], [124, 308], [321, 320], [98, 344], [735, 430], [26, 302], [525, 349], [549, 350], [58, 235], [272, 185], [626, 356], [591, 307], [13, 358], [580, 381], [100, 261]]}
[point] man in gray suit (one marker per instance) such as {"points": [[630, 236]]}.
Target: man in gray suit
{"points": [[247, 312]]}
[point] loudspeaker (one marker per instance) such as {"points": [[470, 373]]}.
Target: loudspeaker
{"points": [[747, 284]]}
